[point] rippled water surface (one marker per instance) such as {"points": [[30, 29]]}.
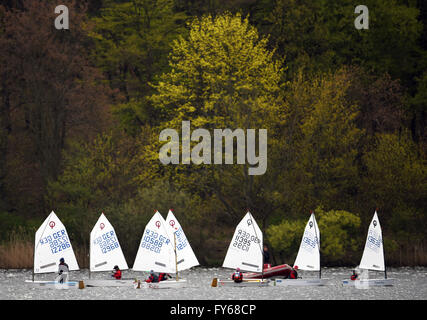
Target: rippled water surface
{"points": [[409, 284]]}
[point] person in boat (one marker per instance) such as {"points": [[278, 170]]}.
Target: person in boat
{"points": [[63, 270], [152, 277], [266, 256], [294, 273], [354, 276], [164, 276], [117, 273], [237, 276]]}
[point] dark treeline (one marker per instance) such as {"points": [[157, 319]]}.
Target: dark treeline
{"points": [[81, 111]]}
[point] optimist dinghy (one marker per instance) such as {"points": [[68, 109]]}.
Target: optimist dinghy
{"points": [[244, 252], [308, 257], [164, 248], [372, 258], [51, 244], [105, 253]]}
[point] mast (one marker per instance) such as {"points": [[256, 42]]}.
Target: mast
{"points": [[262, 267], [382, 240], [260, 246], [176, 256], [34, 259], [90, 256], [318, 243], [36, 243]]}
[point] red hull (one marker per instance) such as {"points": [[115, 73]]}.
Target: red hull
{"points": [[277, 271]]}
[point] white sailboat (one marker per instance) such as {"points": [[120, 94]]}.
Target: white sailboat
{"points": [[245, 252], [51, 244], [105, 253], [185, 257], [372, 258], [157, 253], [308, 257]]}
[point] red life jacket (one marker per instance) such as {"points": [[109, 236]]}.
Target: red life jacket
{"points": [[237, 276], [293, 275], [162, 276], [152, 278], [353, 277], [118, 275]]}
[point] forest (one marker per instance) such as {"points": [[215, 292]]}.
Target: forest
{"points": [[81, 111]]}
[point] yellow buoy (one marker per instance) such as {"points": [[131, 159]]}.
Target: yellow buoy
{"points": [[81, 284], [214, 282]]}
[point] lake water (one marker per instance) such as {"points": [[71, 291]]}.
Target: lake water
{"points": [[409, 284]]}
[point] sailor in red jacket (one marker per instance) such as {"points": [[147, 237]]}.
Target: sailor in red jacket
{"points": [[117, 273], [164, 276], [152, 278], [294, 273], [354, 276], [237, 276]]}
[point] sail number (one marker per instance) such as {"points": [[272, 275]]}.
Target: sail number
{"points": [[57, 242], [153, 241], [309, 241], [181, 239], [374, 240], [244, 239], [107, 242]]}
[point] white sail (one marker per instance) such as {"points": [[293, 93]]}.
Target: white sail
{"points": [[155, 250], [185, 255], [308, 257], [245, 250], [51, 244], [105, 250], [373, 255]]}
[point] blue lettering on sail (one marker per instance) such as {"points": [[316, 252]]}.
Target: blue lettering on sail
{"points": [[309, 241], [58, 241], [107, 242], [181, 239], [243, 240], [152, 241], [374, 240]]}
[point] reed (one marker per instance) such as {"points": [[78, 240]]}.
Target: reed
{"points": [[409, 255], [16, 253]]}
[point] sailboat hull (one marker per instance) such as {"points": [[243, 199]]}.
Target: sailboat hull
{"points": [[299, 282], [109, 283], [56, 285], [167, 284], [244, 283], [365, 283]]}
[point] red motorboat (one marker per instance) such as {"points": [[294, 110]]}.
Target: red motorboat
{"points": [[282, 270]]}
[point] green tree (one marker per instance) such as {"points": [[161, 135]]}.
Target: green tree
{"points": [[339, 237], [97, 176], [222, 76], [395, 181], [321, 143], [321, 35], [132, 41], [285, 238]]}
